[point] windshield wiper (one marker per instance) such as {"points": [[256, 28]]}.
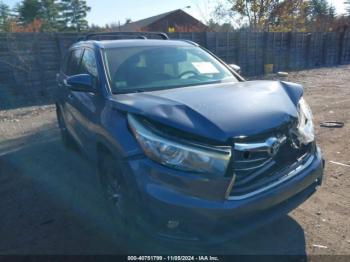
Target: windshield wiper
{"points": [[128, 91]]}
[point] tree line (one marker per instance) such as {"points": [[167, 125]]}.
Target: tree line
{"points": [[228, 15], [279, 15], [44, 16]]}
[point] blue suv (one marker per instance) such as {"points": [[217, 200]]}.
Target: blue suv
{"points": [[186, 149]]}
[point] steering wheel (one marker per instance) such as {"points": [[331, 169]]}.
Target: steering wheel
{"points": [[189, 72], [163, 76]]}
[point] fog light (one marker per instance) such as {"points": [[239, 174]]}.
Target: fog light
{"points": [[172, 224]]}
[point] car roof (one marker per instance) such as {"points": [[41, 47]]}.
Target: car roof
{"points": [[110, 44]]}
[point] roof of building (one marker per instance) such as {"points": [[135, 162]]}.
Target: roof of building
{"points": [[134, 26]]}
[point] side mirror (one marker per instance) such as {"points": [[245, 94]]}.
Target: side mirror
{"points": [[81, 83], [236, 68]]}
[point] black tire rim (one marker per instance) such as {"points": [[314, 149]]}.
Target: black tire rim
{"points": [[112, 186]]}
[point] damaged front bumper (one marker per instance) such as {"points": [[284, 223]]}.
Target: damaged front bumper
{"points": [[171, 212]]}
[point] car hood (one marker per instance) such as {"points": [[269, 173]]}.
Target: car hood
{"points": [[220, 111]]}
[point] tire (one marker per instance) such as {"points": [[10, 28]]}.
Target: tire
{"points": [[127, 217], [66, 137], [118, 198]]}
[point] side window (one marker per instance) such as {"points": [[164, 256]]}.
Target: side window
{"points": [[74, 62], [88, 63]]}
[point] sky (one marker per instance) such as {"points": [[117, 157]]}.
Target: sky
{"points": [[113, 11]]}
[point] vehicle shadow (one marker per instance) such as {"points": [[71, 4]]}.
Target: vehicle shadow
{"points": [[282, 237], [51, 204]]}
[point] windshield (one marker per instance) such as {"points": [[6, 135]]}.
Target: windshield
{"points": [[155, 68]]}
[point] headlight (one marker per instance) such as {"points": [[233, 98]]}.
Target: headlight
{"points": [[305, 130], [182, 156]]}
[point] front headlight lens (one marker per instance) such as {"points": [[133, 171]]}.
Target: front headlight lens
{"points": [[305, 130], [178, 155]]}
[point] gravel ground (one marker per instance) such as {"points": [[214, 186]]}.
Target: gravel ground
{"points": [[50, 204]]}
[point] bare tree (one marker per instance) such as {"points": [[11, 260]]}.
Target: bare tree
{"points": [[257, 12], [21, 60]]}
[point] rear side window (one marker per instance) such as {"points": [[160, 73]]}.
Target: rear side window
{"points": [[88, 63], [74, 62], [65, 63]]}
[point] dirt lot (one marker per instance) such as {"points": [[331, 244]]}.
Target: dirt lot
{"points": [[49, 204]]}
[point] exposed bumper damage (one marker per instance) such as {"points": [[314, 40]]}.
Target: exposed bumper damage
{"points": [[211, 219]]}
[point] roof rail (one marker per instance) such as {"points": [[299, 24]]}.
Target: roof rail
{"points": [[123, 35], [189, 41]]}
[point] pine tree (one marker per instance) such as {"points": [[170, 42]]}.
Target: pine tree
{"points": [[321, 14], [28, 11], [73, 14], [49, 14], [319, 8], [347, 7], [332, 12], [4, 16]]}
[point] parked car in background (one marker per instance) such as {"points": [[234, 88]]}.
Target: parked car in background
{"points": [[186, 149]]}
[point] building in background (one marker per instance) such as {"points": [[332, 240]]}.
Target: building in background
{"points": [[174, 21]]}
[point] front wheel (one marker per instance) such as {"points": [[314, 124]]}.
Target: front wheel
{"points": [[118, 198]]}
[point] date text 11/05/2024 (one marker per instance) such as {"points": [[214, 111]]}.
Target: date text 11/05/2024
{"points": [[173, 258]]}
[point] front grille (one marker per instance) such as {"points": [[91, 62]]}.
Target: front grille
{"points": [[256, 166]]}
